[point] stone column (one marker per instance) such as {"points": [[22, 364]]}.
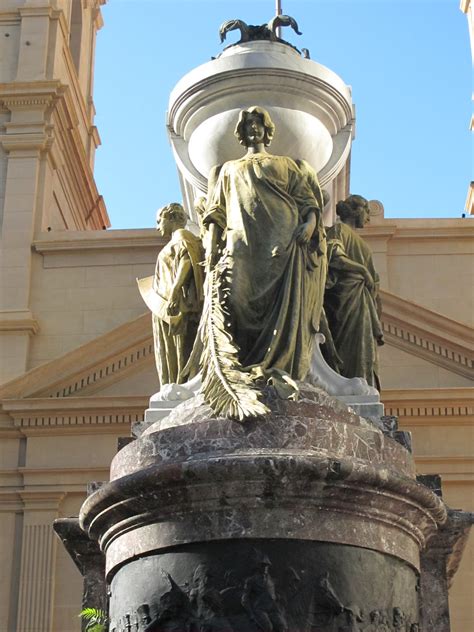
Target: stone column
{"points": [[38, 554], [307, 519]]}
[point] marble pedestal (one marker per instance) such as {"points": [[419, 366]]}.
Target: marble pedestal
{"points": [[307, 519]]}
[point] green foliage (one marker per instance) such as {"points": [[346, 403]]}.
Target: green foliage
{"points": [[96, 619]]}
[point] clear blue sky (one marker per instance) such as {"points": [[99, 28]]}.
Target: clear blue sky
{"points": [[408, 62]]}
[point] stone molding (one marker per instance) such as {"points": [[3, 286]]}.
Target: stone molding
{"points": [[75, 411], [427, 334], [13, 321], [421, 230], [97, 241], [30, 93], [10, 501], [428, 407]]}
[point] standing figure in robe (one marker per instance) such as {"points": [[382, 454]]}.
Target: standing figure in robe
{"points": [[266, 227], [177, 296], [351, 302]]}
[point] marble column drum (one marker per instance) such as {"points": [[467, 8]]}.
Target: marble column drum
{"points": [[307, 519]]}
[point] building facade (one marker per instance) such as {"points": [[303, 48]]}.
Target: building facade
{"points": [[77, 364]]}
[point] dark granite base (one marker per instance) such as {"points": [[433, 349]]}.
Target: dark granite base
{"points": [[267, 585]]}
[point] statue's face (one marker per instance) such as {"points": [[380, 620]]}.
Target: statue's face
{"points": [[362, 216], [375, 616], [164, 225], [397, 616], [254, 130]]}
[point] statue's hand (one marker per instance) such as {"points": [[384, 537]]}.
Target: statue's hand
{"points": [[173, 305], [303, 233], [369, 282]]}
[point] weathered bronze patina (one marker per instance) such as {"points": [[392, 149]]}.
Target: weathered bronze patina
{"points": [[351, 302], [175, 296], [267, 243]]}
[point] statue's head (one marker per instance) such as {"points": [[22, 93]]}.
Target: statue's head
{"points": [[398, 616], [169, 218], [375, 616], [354, 209], [254, 126]]}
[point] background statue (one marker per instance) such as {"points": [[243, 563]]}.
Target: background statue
{"points": [[175, 296], [267, 240], [351, 302]]}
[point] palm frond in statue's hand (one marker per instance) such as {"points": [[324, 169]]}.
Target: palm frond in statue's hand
{"points": [[227, 389]]}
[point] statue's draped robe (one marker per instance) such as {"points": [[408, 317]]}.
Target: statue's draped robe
{"points": [[174, 335], [275, 285], [351, 308]]}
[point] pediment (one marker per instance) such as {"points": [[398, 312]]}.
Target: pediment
{"points": [[122, 360]]}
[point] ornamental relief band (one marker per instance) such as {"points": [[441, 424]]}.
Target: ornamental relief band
{"points": [[239, 307], [222, 602]]}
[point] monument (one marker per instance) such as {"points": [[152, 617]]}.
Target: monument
{"points": [[261, 502]]}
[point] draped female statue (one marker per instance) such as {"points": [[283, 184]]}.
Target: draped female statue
{"points": [[267, 239], [175, 296], [352, 304]]}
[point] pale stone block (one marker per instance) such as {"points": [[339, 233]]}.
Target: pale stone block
{"points": [[23, 205], [11, 277], [44, 348], [13, 354], [59, 278], [423, 377], [137, 258], [14, 257], [108, 276], [141, 382], [19, 170], [134, 303], [14, 298], [49, 298], [144, 270], [390, 356], [9, 50], [57, 323], [447, 379], [9, 454], [15, 238], [33, 56], [100, 321], [88, 450]]}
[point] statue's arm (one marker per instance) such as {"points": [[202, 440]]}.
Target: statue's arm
{"points": [[305, 230], [246, 598], [305, 189], [340, 261], [183, 274]]}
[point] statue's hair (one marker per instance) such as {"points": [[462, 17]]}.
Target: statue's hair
{"points": [[175, 212], [348, 208], [264, 117]]}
